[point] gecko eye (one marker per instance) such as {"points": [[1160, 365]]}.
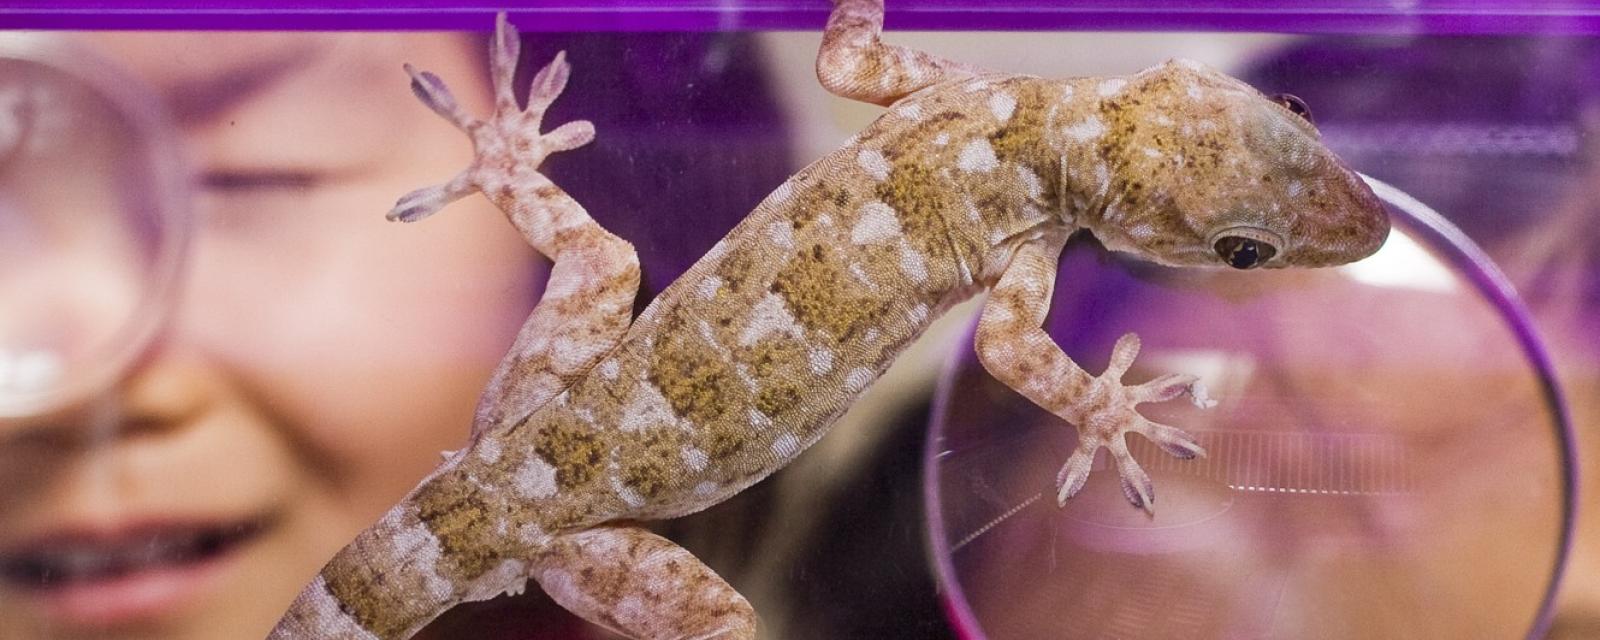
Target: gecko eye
{"points": [[1294, 104], [1244, 253]]}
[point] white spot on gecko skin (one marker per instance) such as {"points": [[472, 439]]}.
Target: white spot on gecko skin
{"points": [[1151, 152], [1162, 120], [535, 479], [860, 275], [695, 458], [782, 234], [758, 420], [1190, 64], [708, 287], [561, 586], [910, 112], [609, 369], [912, 264], [1089, 129], [707, 333], [870, 336], [532, 534], [942, 139], [1030, 181], [824, 220], [972, 212], [559, 288], [489, 449], [628, 496], [769, 316], [745, 376], [977, 157], [1142, 231], [874, 163], [876, 222], [328, 615], [998, 313], [858, 379], [507, 576], [1110, 86], [1194, 92], [717, 250], [918, 314], [645, 409], [705, 488], [1294, 188], [415, 542], [1002, 105], [785, 446], [821, 360], [630, 612]]}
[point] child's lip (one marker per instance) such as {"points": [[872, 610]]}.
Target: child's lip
{"points": [[105, 576]]}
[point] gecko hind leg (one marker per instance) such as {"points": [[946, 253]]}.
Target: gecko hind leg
{"points": [[641, 585], [588, 300], [854, 63], [1111, 417]]}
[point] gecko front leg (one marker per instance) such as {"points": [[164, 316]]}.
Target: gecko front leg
{"points": [[1015, 350], [588, 300]]}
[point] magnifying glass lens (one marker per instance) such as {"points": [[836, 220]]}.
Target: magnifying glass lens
{"points": [[89, 229]]}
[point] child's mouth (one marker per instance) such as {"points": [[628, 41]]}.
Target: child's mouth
{"points": [[100, 579]]}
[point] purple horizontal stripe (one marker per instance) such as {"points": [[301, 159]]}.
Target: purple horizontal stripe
{"points": [[1310, 16]]}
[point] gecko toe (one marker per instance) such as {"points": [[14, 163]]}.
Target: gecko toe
{"points": [[1069, 481], [1176, 442], [1163, 388], [427, 201], [1136, 485]]}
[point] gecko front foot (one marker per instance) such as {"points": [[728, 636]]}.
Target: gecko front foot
{"points": [[1110, 415], [508, 145]]}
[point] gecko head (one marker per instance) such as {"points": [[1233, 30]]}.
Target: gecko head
{"points": [[1201, 169]]}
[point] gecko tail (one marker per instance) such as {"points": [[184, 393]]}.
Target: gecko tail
{"points": [[387, 584]]}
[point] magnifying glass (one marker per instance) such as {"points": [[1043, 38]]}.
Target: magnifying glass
{"points": [[1390, 459], [93, 223]]}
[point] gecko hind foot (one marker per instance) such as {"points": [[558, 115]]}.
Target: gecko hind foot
{"points": [[507, 144], [1107, 425]]}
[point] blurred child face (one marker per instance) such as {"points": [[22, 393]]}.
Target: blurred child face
{"points": [[319, 360]]}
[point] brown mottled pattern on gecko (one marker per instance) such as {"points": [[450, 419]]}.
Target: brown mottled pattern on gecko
{"points": [[975, 180]]}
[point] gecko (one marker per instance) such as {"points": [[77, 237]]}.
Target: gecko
{"points": [[971, 180]]}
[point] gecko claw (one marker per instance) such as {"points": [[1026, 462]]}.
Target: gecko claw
{"points": [[1136, 483], [427, 201], [437, 97], [1163, 388], [1069, 481], [503, 54], [1176, 442], [548, 84]]}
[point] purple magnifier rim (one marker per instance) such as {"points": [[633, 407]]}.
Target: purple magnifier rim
{"points": [[1448, 243]]}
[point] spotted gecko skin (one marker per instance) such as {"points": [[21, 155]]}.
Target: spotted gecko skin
{"points": [[971, 180]]}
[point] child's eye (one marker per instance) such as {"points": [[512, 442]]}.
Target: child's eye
{"points": [[245, 181]]}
